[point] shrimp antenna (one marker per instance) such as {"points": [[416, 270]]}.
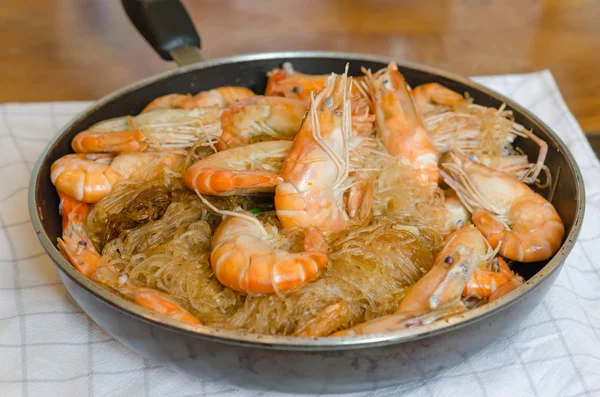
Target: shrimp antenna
{"points": [[233, 213]]}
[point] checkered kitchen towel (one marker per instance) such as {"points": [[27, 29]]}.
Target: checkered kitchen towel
{"points": [[49, 347]]}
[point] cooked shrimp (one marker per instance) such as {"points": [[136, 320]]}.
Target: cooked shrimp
{"points": [[244, 260], [510, 215], [316, 169], [485, 283], [258, 116], [399, 124], [291, 84], [84, 177], [161, 129], [220, 97], [79, 250], [428, 95], [436, 294], [240, 170], [487, 132], [89, 177], [75, 243]]}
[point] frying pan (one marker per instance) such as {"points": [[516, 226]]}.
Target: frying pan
{"points": [[319, 365]]}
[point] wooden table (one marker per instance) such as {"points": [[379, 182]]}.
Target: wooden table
{"points": [[82, 49]]}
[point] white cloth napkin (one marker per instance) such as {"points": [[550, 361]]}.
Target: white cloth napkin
{"points": [[49, 347]]}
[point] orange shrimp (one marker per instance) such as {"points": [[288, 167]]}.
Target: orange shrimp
{"points": [[510, 215], [399, 123], [258, 116], [75, 243], [316, 169], [291, 84], [87, 178], [240, 170], [90, 177], [80, 251], [428, 95], [220, 97], [243, 259], [162, 129]]}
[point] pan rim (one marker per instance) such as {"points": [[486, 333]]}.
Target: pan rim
{"points": [[291, 342]]}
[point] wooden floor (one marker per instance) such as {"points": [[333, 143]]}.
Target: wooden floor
{"points": [[83, 49]]}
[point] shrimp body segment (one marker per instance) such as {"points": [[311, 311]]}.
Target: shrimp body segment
{"points": [[510, 215], [248, 119], [221, 97], [400, 126], [162, 129], [240, 170], [316, 169], [90, 177], [243, 261]]}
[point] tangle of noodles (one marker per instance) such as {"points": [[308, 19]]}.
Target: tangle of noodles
{"points": [[157, 234]]}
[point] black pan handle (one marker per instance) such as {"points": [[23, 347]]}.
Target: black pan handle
{"points": [[167, 27]]}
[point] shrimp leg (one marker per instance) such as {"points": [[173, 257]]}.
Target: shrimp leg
{"points": [[511, 216]]}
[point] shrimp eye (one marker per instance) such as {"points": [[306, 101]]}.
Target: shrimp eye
{"points": [[449, 260], [329, 101], [83, 243], [296, 89], [460, 223], [472, 157], [387, 84]]}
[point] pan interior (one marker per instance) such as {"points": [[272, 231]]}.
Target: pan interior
{"points": [[250, 72]]}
